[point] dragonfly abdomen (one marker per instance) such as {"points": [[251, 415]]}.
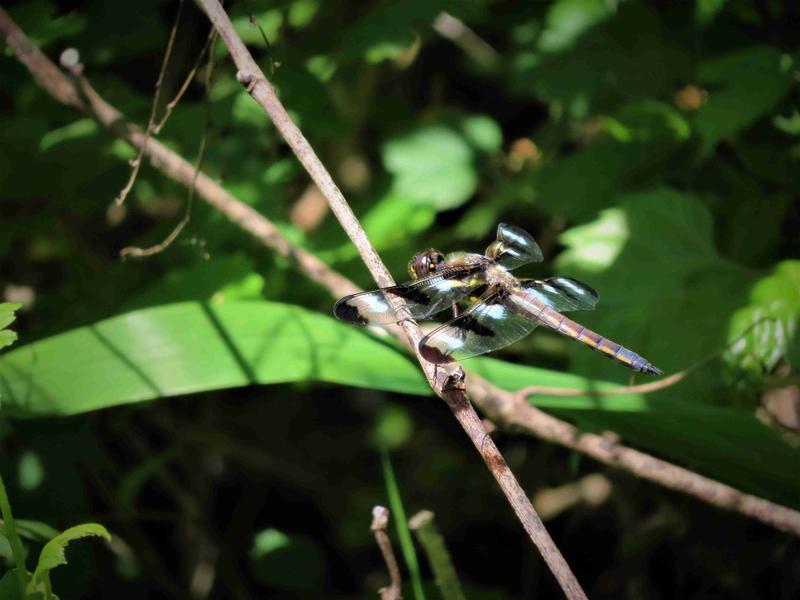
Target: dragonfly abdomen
{"points": [[555, 320]]}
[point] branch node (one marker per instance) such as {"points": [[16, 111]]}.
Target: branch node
{"points": [[380, 518], [247, 80], [70, 59]]}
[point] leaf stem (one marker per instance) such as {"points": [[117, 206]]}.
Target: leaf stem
{"points": [[13, 539], [403, 533]]}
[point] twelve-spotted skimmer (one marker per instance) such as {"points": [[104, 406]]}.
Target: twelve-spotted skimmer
{"points": [[502, 308]]}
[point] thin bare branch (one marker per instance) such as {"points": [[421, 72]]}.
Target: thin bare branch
{"points": [[201, 151], [380, 519], [506, 408], [448, 388], [137, 162], [185, 85], [455, 30]]}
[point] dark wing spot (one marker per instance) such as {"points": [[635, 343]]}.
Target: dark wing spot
{"points": [[410, 293], [470, 323], [344, 311], [432, 354]]}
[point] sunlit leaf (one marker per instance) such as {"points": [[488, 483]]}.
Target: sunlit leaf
{"points": [[186, 347], [431, 166], [7, 316], [664, 290], [771, 318], [53, 554]]}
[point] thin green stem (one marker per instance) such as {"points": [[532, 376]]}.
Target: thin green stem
{"points": [[423, 525], [403, 533], [13, 539]]}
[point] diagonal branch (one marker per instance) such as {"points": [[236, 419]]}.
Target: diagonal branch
{"points": [[449, 388], [507, 408]]}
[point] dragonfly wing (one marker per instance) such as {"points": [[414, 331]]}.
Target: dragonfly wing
{"points": [[514, 247], [493, 323], [423, 298], [562, 293]]}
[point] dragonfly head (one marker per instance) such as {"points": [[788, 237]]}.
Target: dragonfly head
{"points": [[425, 263]]}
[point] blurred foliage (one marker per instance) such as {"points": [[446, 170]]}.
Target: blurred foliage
{"points": [[652, 149]]}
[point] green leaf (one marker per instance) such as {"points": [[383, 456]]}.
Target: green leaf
{"points": [[7, 316], [771, 318], [82, 128], [53, 554], [567, 19], [401, 524], [189, 347], [226, 278], [9, 590], [742, 86], [482, 132], [664, 290], [10, 530], [605, 66], [431, 166], [301, 12], [33, 530]]}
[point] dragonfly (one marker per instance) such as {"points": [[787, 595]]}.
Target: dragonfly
{"points": [[492, 308]]}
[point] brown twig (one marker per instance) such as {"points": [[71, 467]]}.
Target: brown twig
{"points": [[254, 80], [201, 151], [185, 85], [137, 162], [504, 407], [380, 519], [455, 30]]}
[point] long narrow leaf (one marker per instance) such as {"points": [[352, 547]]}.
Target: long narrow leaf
{"points": [[403, 533]]}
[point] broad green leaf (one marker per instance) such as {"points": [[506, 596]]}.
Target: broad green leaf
{"points": [[53, 554], [771, 318], [188, 347], [431, 166], [226, 278], [742, 86], [664, 290]]}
